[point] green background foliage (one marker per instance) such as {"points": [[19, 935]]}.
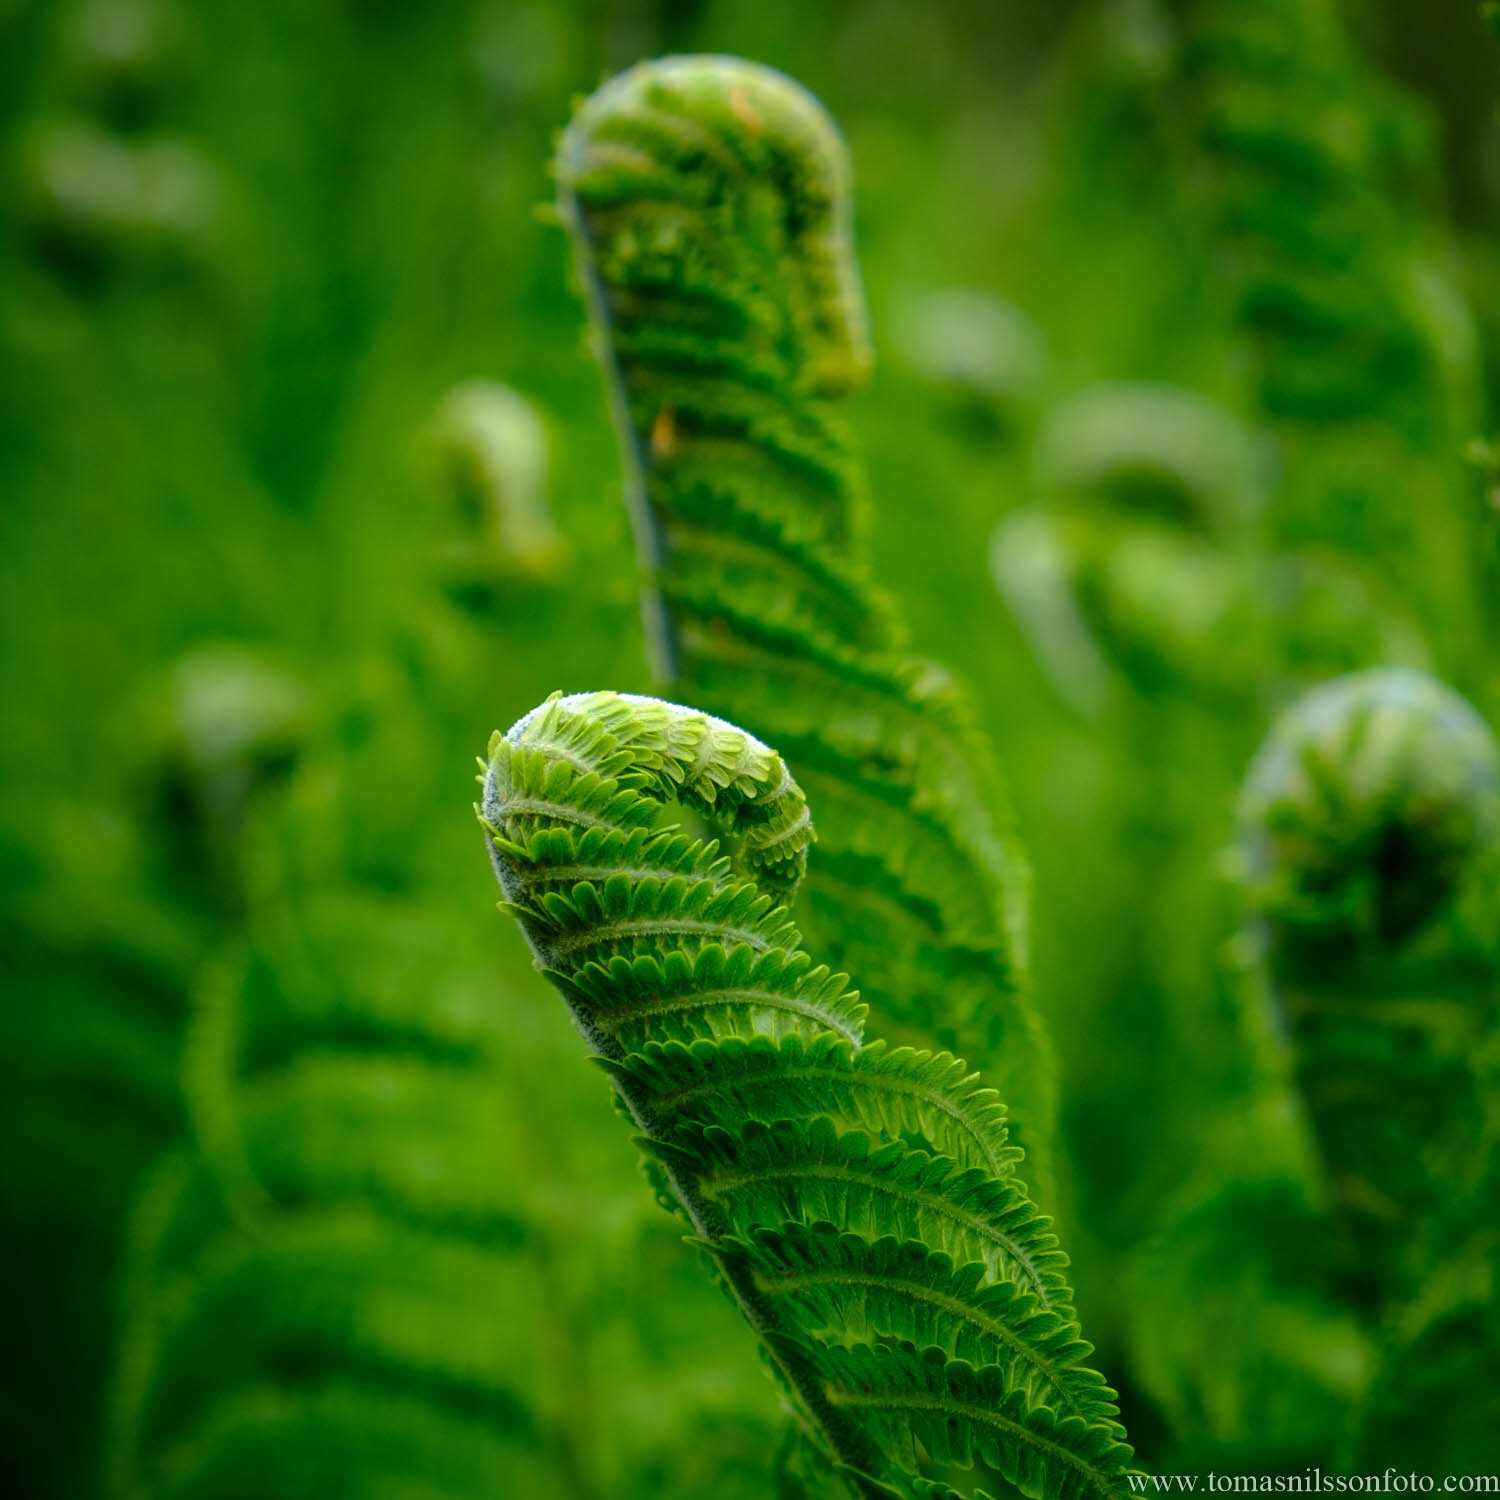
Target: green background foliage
{"points": [[308, 1188]]}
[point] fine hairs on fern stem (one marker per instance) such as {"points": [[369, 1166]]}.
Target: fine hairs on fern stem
{"points": [[859, 1202], [708, 203], [1368, 810]]}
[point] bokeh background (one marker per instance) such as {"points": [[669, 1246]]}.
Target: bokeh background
{"points": [[258, 616]]}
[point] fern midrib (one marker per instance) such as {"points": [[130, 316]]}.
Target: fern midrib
{"points": [[800, 1374], [545, 874], [541, 808], [829, 498], [661, 630], [773, 553]]}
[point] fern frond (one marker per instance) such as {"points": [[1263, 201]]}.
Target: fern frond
{"points": [[343, 1292], [708, 201], [714, 992], [1152, 450], [1130, 562], [1331, 288], [980, 354], [1274, 1357], [1369, 812], [268, 1439], [324, 1251], [490, 449], [849, 1194]]}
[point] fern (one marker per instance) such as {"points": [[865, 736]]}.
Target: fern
{"points": [[1342, 314], [490, 448], [101, 945], [1141, 561], [1439, 1385], [1274, 1357], [317, 1276], [1370, 812], [1371, 816], [860, 1203], [1329, 1249], [342, 1247], [325, 1246], [981, 356], [92, 195], [708, 201], [1132, 564]]}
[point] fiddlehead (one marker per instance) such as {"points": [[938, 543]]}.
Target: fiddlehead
{"points": [[1370, 811], [94, 196], [1131, 563], [1152, 451], [490, 446], [1366, 854], [708, 201], [120, 56], [229, 726], [860, 1204], [981, 355], [340, 1249]]}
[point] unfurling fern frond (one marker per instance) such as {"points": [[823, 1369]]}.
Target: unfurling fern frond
{"points": [[1438, 1388], [1369, 815], [1132, 562], [1342, 311], [323, 1266], [108, 921], [708, 200], [982, 358], [860, 1203], [490, 448], [1368, 825], [321, 1276], [93, 195]]}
